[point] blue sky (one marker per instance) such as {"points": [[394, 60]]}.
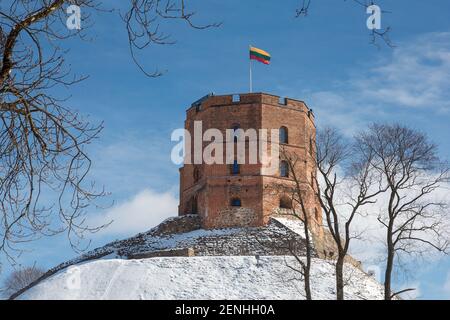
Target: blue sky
{"points": [[325, 59]]}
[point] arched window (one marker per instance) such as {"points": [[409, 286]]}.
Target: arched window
{"points": [[311, 146], [235, 168], [194, 205], [284, 135], [285, 203], [235, 127], [197, 174], [284, 169], [235, 202]]}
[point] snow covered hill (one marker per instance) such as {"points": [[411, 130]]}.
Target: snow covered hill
{"points": [[205, 277], [180, 260]]}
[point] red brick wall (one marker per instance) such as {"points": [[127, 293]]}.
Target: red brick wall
{"points": [[216, 187]]}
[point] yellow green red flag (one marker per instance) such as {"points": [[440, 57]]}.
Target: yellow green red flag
{"points": [[260, 55]]}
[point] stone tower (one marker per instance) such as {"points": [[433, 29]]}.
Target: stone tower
{"points": [[225, 195]]}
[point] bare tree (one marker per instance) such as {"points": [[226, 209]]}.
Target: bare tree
{"points": [[295, 205], [415, 218], [348, 184], [42, 140], [20, 278], [143, 24]]}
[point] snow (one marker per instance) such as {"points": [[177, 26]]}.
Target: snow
{"points": [[217, 271], [206, 277], [216, 242], [296, 225]]}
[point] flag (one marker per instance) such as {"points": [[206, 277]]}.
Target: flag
{"points": [[260, 55]]}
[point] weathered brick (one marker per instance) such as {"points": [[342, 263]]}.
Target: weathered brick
{"points": [[210, 197]]}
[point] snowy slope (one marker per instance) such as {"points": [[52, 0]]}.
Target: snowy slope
{"points": [[207, 277]]}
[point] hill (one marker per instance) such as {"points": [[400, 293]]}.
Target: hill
{"points": [[208, 277], [180, 260]]}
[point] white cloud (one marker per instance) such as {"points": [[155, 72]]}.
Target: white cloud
{"points": [[416, 76], [144, 211]]}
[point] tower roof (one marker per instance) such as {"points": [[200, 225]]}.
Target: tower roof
{"points": [[248, 98]]}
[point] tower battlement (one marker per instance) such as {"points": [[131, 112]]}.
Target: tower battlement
{"points": [[212, 100]]}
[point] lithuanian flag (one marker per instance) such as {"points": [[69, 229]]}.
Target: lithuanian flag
{"points": [[260, 55]]}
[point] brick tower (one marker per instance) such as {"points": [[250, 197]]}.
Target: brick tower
{"points": [[227, 195]]}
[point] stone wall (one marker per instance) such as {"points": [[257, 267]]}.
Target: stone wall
{"points": [[231, 216], [273, 239], [183, 252]]}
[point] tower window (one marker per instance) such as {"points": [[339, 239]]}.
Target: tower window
{"points": [[236, 127], [285, 203], [283, 135], [197, 174], [194, 205], [284, 169], [235, 202], [235, 168]]}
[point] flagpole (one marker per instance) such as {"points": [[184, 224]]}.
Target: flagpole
{"points": [[251, 84], [250, 64]]}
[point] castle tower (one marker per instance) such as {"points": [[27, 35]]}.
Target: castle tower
{"points": [[228, 195]]}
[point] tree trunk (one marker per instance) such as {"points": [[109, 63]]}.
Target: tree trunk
{"points": [[307, 286], [340, 277], [307, 270], [389, 265]]}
